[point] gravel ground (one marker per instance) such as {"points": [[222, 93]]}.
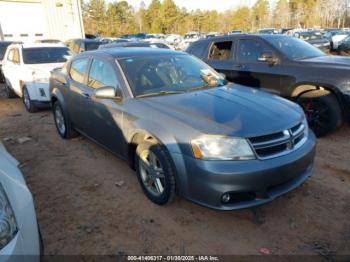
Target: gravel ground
{"points": [[89, 202]]}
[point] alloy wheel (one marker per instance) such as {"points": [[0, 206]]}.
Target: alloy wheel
{"points": [[152, 173], [316, 113], [59, 119]]}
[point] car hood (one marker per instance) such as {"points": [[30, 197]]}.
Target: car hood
{"points": [[232, 110], [329, 60], [45, 67]]}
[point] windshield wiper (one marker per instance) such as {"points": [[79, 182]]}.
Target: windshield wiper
{"points": [[164, 92]]}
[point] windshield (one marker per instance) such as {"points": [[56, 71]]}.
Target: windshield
{"points": [[168, 74], [294, 48], [46, 55]]}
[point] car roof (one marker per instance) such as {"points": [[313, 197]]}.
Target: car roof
{"points": [[120, 53]]}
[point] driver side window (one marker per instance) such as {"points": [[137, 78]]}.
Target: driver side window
{"points": [[101, 75], [249, 51]]}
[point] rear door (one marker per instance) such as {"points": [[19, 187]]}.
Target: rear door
{"points": [[77, 90], [221, 56]]}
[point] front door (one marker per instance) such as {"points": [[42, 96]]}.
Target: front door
{"points": [[103, 117], [254, 73]]}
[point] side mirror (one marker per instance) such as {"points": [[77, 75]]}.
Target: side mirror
{"points": [[267, 57], [108, 92]]}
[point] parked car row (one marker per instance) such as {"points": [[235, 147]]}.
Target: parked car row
{"points": [[216, 125]]}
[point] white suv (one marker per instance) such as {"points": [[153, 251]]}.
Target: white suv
{"points": [[26, 69]]}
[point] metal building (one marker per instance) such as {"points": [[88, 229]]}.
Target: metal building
{"points": [[30, 20]]}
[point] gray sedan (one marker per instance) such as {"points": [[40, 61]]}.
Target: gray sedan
{"points": [[183, 128]]}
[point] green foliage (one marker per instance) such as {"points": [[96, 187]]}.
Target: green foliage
{"points": [[119, 17]]}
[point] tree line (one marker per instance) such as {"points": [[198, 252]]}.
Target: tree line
{"points": [[119, 17]]}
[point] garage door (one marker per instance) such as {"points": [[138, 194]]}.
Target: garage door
{"points": [[22, 21]]}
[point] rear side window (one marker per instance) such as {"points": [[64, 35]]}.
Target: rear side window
{"points": [[221, 50], [249, 51], [10, 55], [16, 56], [78, 70], [197, 49], [102, 75]]}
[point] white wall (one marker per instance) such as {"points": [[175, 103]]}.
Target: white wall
{"points": [[40, 19]]}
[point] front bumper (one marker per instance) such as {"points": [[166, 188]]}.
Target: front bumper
{"points": [[39, 92], [249, 183]]}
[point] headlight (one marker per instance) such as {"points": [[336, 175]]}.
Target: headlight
{"points": [[215, 147], [8, 224]]}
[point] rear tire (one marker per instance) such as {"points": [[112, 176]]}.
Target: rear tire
{"points": [[9, 91], [63, 125], [158, 182], [322, 111], [28, 103]]}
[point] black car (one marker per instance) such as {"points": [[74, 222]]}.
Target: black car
{"points": [[288, 67], [183, 128], [134, 44], [344, 47], [315, 38], [3, 47], [81, 45]]}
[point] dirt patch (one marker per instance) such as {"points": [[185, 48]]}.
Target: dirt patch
{"points": [[82, 209]]}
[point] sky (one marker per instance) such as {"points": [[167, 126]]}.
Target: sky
{"points": [[219, 5]]}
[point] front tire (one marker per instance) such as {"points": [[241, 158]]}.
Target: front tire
{"points": [[155, 173], [322, 111], [63, 126], [28, 103]]}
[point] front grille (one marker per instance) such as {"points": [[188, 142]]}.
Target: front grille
{"points": [[280, 143]]}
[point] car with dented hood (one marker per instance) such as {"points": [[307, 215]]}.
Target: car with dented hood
{"points": [[183, 128]]}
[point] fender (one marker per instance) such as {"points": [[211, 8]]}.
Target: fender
{"points": [[57, 95], [306, 86], [144, 129], [159, 132]]}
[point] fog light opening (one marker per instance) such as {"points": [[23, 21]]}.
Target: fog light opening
{"points": [[226, 198]]}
